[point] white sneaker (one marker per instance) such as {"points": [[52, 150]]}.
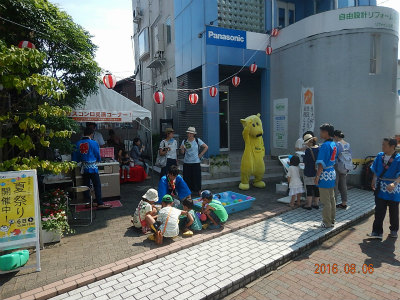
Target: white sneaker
{"points": [[323, 225], [122, 177], [128, 177]]}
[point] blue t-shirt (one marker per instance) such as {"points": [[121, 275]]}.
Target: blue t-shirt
{"points": [[327, 158], [309, 162], [392, 173], [181, 188], [192, 151], [88, 153]]}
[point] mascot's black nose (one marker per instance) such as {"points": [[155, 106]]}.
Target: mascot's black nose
{"points": [[258, 135]]}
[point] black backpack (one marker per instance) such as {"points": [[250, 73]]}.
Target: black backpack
{"points": [[366, 174]]}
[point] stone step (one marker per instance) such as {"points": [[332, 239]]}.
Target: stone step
{"points": [[234, 181]]}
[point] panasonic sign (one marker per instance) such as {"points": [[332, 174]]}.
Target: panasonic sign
{"points": [[225, 37]]}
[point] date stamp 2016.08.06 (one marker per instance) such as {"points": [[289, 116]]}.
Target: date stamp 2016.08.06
{"points": [[346, 268]]}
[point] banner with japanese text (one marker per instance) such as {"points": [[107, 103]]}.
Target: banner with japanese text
{"points": [[19, 207], [280, 123], [307, 112], [102, 116]]}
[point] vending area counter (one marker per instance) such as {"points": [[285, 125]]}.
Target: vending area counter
{"points": [[109, 177]]}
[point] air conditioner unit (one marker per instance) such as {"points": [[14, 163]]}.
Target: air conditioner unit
{"points": [[137, 14], [159, 40]]}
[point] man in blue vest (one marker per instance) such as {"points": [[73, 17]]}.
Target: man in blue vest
{"points": [[326, 175], [88, 154], [386, 184]]}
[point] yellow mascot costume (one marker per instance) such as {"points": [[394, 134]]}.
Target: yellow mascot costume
{"points": [[254, 152]]}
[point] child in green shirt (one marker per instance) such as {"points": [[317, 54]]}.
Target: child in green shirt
{"points": [[214, 210]]}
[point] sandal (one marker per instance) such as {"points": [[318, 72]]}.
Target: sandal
{"points": [[341, 205]]}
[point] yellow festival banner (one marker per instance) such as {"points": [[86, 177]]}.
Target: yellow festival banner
{"points": [[19, 209]]}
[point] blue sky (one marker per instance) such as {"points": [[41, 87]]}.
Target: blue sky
{"points": [[110, 22]]}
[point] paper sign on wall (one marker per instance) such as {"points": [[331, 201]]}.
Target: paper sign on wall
{"points": [[280, 126], [307, 112]]}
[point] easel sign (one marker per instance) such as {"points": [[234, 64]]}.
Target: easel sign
{"points": [[19, 212]]}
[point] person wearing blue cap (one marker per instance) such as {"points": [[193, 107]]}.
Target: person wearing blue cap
{"points": [[214, 210]]}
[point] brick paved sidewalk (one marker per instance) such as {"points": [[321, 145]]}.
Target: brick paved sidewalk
{"points": [[296, 280], [109, 239], [221, 265]]}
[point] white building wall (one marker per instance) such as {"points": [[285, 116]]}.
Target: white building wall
{"points": [[155, 13]]}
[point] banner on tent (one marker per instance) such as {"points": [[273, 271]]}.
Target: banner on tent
{"points": [[101, 116]]}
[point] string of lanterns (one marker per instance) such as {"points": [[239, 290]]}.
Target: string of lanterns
{"points": [[110, 80], [213, 91]]}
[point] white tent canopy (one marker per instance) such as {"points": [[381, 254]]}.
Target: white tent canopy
{"points": [[109, 106]]}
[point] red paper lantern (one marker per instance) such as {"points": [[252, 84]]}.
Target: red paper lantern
{"points": [[213, 91], [159, 97], [236, 81], [253, 68], [26, 44], [268, 50], [109, 81], [193, 98], [275, 32]]}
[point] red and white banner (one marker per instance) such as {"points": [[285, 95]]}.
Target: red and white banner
{"points": [[102, 116]]}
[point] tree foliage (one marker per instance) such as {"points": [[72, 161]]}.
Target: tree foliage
{"points": [[39, 86], [55, 35]]}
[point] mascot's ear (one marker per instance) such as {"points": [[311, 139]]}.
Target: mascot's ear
{"points": [[258, 115], [243, 121]]}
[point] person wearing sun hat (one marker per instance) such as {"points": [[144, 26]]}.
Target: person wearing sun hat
{"points": [[168, 147], [167, 219], [191, 147], [144, 208], [309, 159]]}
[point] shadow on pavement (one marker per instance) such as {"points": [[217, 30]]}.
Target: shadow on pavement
{"points": [[380, 252]]}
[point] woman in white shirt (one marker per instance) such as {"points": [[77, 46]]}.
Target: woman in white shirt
{"points": [[168, 147]]}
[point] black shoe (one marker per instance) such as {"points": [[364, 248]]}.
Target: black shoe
{"points": [[315, 206], [341, 206], [307, 207]]}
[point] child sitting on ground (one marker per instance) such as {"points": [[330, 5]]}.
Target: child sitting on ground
{"points": [[144, 208], [294, 180], [125, 164], [191, 222], [214, 210], [167, 219]]}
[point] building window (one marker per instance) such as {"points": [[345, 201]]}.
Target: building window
{"points": [[291, 16], [144, 42], [286, 13], [281, 17], [168, 28], [374, 62]]}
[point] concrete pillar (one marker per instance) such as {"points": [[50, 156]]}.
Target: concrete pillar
{"points": [[210, 76]]}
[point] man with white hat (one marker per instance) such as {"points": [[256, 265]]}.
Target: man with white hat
{"points": [[191, 164]]}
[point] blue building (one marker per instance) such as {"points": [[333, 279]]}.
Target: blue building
{"points": [[215, 39]]}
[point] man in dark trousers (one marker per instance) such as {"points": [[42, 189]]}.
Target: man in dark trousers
{"points": [[386, 184], [88, 154]]}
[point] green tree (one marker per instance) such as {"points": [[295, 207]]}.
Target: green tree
{"points": [[56, 35], [39, 86]]}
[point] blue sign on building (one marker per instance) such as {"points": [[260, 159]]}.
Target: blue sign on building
{"points": [[219, 36]]}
